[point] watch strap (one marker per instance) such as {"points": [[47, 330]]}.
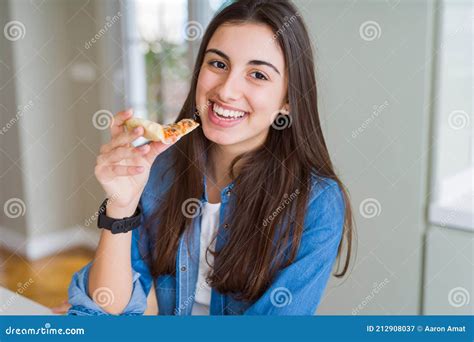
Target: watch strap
{"points": [[117, 226]]}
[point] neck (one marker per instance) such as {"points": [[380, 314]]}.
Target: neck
{"points": [[221, 158]]}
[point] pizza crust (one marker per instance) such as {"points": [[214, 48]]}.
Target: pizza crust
{"points": [[152, 130]]}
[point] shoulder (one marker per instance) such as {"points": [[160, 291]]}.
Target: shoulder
{"points": [[326, 203], [324, 187]]}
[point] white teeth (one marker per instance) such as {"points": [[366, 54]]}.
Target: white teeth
{"points": [[227, 113]]}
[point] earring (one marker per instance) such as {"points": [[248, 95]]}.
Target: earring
{"points": [[283, 120]]}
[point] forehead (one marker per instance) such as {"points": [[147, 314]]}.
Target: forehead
{"points": [[243, 42]]}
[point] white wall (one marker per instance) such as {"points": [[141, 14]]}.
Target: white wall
{"points": [[385, 83]]}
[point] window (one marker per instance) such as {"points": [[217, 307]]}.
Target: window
{"points": [[161, 39], [452, 205]]}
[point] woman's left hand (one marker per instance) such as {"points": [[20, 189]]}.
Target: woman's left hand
{"points": [[61, 309]]}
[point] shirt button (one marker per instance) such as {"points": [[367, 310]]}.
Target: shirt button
{"points": [[228, 193], [183, 268]]}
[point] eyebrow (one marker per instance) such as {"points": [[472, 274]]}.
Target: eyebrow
{"points": [[252, 62]]}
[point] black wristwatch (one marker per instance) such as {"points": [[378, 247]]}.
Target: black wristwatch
{"points": [[117, 226]]}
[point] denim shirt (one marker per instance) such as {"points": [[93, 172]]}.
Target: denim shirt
{"points": [[296, 290]]}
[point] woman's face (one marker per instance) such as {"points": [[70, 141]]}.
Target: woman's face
{"points": [[241, 86]]}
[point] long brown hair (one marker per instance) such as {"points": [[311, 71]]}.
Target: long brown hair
{"points": [[248, 262]]}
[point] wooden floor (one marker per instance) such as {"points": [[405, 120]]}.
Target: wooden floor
{"points": [[50, 276]]}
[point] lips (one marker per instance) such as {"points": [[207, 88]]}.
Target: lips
{"points": [[221, 121]]}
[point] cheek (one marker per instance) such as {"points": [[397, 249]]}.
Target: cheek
{"points": [[206, 81], [265, 105]]}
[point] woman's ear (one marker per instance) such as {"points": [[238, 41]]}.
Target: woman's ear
{"points": [[285, 109]]}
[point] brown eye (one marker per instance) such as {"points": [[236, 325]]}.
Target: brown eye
{"points": [[259, 76], [217, 64]]}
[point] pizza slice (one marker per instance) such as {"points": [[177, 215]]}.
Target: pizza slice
{"points": [[164, 133]]}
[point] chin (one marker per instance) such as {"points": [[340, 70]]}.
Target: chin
{"points": [[218, 137]]}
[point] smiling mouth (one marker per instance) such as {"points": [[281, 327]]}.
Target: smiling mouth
{"points": [[226, 114]]}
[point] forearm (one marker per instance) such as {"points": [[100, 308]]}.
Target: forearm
{"points": [[110, 277]]}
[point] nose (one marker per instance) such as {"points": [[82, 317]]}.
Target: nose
{"points": [[231, 89]]}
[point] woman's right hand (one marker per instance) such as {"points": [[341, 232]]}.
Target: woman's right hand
{"points": [[123, 169]]}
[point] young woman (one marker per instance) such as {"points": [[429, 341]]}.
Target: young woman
{"points": [[245, 215]]}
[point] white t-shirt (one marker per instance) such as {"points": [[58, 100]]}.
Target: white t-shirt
{"points": [[209, 225]]}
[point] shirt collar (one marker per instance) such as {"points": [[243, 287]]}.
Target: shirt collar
{"points": [[225, 193]]}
